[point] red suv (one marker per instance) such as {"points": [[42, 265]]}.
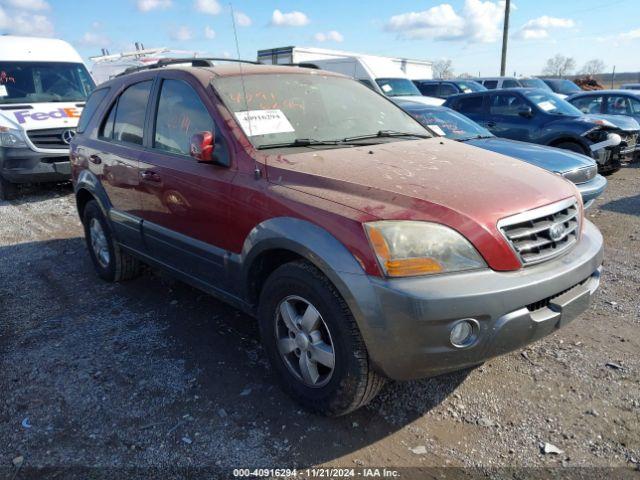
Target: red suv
{"points": [[366, 247]]}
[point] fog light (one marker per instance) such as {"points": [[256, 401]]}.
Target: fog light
{"points": [[464, 333]]}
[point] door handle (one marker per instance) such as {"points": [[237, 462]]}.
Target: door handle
{"points": [[95, 159], [150, 176]]}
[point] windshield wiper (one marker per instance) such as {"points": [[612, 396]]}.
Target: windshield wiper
{"points": [[386, 133], [300, 142]]}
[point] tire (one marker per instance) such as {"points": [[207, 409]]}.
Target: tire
{"points": [[109, 261], [572, 146], [352, 382], [8, 190]]}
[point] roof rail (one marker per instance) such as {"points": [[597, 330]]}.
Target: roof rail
{"points": [[194, 61]]}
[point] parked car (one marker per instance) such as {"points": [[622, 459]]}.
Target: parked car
{"points": [[366, 248], [631, 86], [536, 116], [43, 86], [562, 87], [575, 167], [446, 88], [493, 83]]}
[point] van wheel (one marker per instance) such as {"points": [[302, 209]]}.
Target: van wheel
{"points": [[8, 190], [313, 342], [109, 261]]}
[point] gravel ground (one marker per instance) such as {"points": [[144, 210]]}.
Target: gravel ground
{"points": [[153, 373]]}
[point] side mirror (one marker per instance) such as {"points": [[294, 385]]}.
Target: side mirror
{"points": [[201, 147], [525, 111]]}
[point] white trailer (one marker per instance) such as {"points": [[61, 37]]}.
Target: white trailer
{"points": [[387, 75]]}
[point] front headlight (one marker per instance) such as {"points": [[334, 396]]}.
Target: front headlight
{"points": [[406, 248], [11, 138]]}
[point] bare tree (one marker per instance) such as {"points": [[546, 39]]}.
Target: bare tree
{"points": [[559, 66], [442, 69], [593, 67]]}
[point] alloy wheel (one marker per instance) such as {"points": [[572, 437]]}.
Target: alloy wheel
{"points": [[99, 243]]}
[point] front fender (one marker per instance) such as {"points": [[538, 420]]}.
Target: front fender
{"points": [[90, 183], [328, 254]]}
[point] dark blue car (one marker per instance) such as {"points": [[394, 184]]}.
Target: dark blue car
{"points": [[536, 116], [576, 167], [446, 88]]}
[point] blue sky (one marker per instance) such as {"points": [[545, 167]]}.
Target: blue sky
{"points": [[466, 31]]}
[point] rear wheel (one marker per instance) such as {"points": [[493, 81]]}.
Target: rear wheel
{"points": [[8, 190], [313, 342], [109, 261]]}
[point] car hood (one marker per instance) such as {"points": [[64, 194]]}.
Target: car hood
{"points": [[549, 158], [436, 180], [627, 124]]}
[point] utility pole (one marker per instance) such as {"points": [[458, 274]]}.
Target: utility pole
{"points": [[505, 38]]}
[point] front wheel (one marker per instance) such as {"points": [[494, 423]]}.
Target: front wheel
{"points": [[313, 342]]}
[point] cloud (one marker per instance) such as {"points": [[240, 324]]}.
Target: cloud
{"points": [[181, 34], [630, 35], [33, 5], [93, 39], [148, 5], [331, 36], [538, 28], [477, 21], [209, 33], [290, 19], [243, 20], [210, 7], [26, 23]]}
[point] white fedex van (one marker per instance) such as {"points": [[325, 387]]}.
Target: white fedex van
{"points": [[43, 87]]}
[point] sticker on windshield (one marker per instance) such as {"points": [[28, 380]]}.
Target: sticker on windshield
{"points": [[386, 88], [264, 122], [546, 106], [3, 91], [437, 130]]}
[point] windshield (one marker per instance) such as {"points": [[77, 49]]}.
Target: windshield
{"points": [[449, 123], [567, 87], [535, 83], [471, 86], [283, 108], [33, 82], [550, 103], [398, 87]]}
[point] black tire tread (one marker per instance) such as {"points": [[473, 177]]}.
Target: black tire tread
{"points": [[370, 382]]}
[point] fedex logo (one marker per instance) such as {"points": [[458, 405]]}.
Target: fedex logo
{"points": [[23, 115]]}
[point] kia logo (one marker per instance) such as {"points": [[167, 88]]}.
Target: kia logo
{"points": [[556, 232], [67, 136]]}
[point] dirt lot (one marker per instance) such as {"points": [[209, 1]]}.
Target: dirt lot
{"points": [[153, 373]]}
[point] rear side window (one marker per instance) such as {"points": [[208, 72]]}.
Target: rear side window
{"points": [[94, 101], [428, 89], [130, 113], [181, 114], [470, 104], [446, 90], [510, 84], [490, 84]]}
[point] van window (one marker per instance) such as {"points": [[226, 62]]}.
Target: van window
{"points": [[181, 114], [130, 113], [94, 101], [470, 104], [33, 82]]}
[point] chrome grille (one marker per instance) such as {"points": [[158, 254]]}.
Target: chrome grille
{"points": [[544, 233], [581, 175], [49, 137]]}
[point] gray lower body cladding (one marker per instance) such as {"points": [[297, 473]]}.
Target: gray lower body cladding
{"points": [[408, 337]]}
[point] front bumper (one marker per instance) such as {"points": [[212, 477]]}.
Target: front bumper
{"points": [[22, 165], [409, 337], [592, 189]]}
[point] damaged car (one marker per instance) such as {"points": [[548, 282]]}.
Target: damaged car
{"points": [[365, 247], [575, 167], [536, 116]]}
